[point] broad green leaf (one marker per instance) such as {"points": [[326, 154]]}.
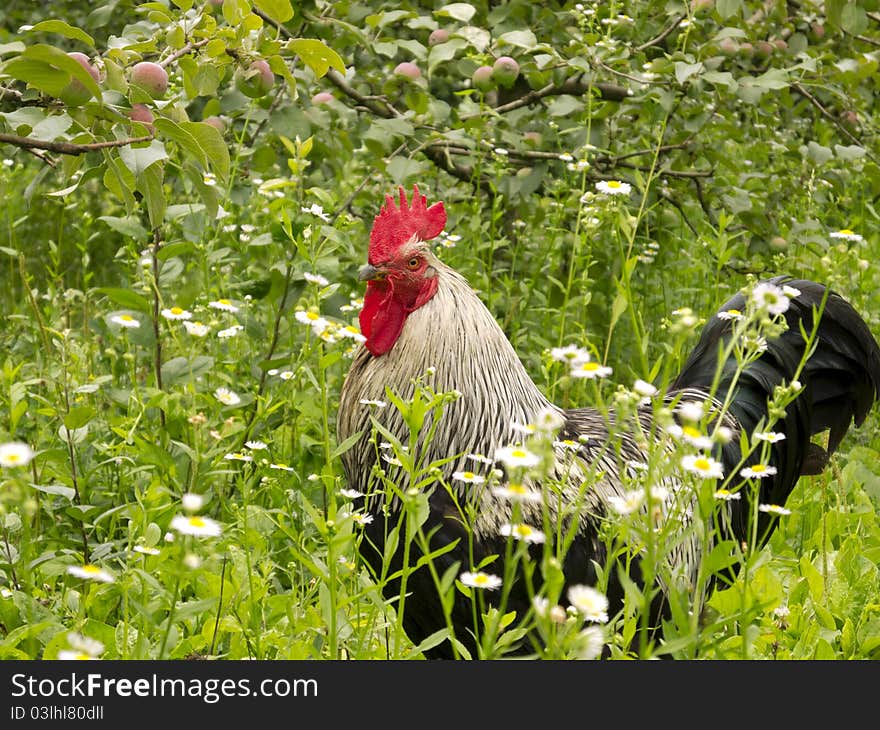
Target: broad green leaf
{"points": [[279, 10], [62, 28], [138, 159], [150, 183], [49, 70], [178, 134], [128, 226], [520, 38], [683, 71], [459, 11], [126, 298], [317, 55], [78, 417], [212, 143]]}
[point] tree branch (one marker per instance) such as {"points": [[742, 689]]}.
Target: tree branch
{"points": [[663, 35], [67, 148], [189, 47], [831, 118]]}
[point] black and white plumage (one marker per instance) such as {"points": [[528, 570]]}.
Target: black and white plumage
{"points": [[453, 336]]}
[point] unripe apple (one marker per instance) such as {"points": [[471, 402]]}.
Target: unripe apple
{"points": [[75, 93], [746, 50], [322, 97], [257, 80], [728, 46], [505, 70], [764, 49], [216, 122], [438, 36], [533, 138], [778, 243], [150, 77], [141, 113], [818, 31], [780, 44], [407, 69], [482, 78]]}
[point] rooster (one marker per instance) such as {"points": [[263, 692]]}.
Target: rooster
{"points": [[421, 317]]}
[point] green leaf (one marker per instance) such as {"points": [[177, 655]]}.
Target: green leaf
{"points": [[126, 298], [459, 11], [854, 19], [150, 184], [127, 226], [279, 10], [78, 417], [49, 70], [520, 38], [179, 368], [62, 28], [683, 71], [58, 489], [212, 144], [178, 134], [139, 159], [317, 55]]}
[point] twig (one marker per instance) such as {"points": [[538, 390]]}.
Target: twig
{"points": [[68, 148], [575, 86], [382, 108], [192, 46], [663, 35]]}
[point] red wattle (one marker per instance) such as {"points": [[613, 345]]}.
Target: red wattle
{"points": [[382, 317]]}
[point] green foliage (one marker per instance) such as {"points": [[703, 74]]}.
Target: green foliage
{"points": [[747, 135]]}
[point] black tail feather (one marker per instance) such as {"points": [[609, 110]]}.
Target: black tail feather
{"points": [[841, 382]]}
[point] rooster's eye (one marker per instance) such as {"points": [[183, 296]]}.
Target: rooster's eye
{"points": [[413, 263]]}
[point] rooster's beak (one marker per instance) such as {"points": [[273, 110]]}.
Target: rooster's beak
{"points": [[367, 272]]}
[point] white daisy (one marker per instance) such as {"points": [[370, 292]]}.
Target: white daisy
{"points": [[613, 187], [571, 354], [703, 466], [15, 453], [223, 304], [238, 456], [523, 532], [567, 445], [770, 297], [197, 329], [480, 459], [256, 445], [589, 602], [846, 234], [318, 323], [589, 643], [690, 411], [125, 320], [361, 519], [196, 526], [757, 471], [468, 477], [774, 509], [590, 370], [790, 291], [350, 493], [144, 550], [352, 332], [315, 278], [480, 579], [516, 456], [192, 502], [370, 402], [227, 397], [628, 502], [281, 467], [229, 331], [730, 314], [318, 211], [517, 493], [549, 420], [176, 313], [726, 495], [644, 388], [91, 572], [692, 435], [769, 436]]}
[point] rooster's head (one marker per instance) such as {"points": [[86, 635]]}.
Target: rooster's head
{"points": [[400, 275]]}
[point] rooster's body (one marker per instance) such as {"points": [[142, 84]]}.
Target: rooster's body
{"points": [[422, 317]]}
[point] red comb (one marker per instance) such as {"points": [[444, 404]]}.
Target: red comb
{"points": [[394, 225]]}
